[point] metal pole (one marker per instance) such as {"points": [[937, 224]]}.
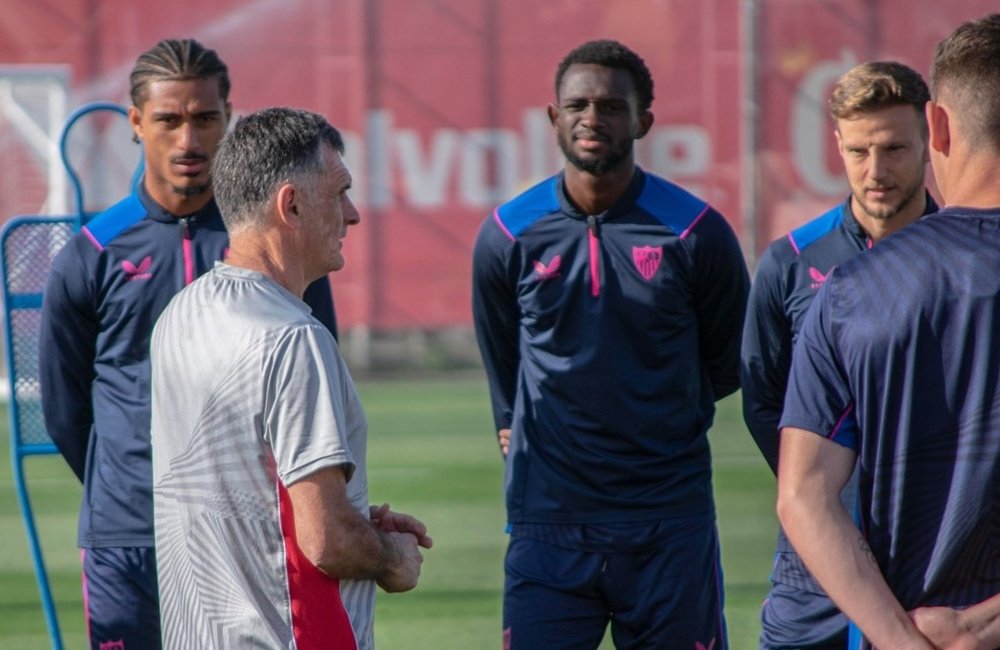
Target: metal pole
{"points": [[749, 196]]}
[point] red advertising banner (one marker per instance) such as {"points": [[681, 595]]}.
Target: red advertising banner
{"points": [[443, 107], [804, 47]]}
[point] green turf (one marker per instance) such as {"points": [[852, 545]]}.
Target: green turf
{"points": [[431, 453]]}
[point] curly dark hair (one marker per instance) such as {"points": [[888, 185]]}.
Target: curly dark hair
{"points": [[612, 54]]}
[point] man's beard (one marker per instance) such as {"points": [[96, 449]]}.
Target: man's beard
{"points": [[598, 165], [886, 212], [190, 190]]}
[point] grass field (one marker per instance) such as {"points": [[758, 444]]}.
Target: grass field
{"points": [[431, 453]]}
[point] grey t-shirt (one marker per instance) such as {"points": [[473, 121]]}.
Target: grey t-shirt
{"points": [[250, 394]]}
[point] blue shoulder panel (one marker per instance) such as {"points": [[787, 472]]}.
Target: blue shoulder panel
{"points": [[109, 224], [810, 232], [520, 212], [670, 204]]}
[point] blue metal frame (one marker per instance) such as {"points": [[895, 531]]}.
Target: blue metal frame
{"points": [[74, 178], [27, 301], [20, 450]]}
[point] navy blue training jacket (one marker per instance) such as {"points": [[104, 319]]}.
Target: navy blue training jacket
{"points": [[607, 340], [105, 291], [789, 274]]}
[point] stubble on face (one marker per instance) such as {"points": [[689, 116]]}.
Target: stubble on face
{"points": [[884, 153], [190, 190], [596, 105], [886, 211], [596, 165]]}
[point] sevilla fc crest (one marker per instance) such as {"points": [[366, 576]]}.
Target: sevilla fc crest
{"points": [[647, 259]]}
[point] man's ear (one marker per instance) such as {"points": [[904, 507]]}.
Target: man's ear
{"points": [[135, 120], [646, 119], [939, 127], [553, 112], [228, 112], [288, 202]]}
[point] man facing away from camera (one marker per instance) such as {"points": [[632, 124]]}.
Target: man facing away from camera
{"points": [[264, 534], [106, 289], [608, 305], [881, 133], [896, 367]]}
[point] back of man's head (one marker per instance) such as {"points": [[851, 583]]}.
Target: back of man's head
{"points": [[876, 85], [965, 75], [264, 150], [176, 60]]}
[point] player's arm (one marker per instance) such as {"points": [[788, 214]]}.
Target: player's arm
{"points": [[67, 344], [721, 287], [973, 628], [765, 357], [812, 473], [342, 543], [495, 316], [319, 297]]}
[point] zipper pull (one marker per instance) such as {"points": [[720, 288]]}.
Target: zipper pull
{"points": [[185, 228], [594, 248]]}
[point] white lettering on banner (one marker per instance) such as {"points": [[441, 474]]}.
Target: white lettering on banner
{"points": [[811, 125], [480, 168], [480, 144], [425, 179]]}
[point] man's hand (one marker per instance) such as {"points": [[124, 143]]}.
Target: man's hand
{"points": [[404, 570], [503, 435], [944, 627], [388, 521], [973, 628]]}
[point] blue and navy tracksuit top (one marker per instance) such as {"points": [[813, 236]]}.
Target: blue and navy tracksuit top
{"points": [[105, 291], [607, 340], [789, 274]]}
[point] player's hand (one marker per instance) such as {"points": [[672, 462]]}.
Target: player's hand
{"points": [[503, 435], [945, 628], [389, 521], [405, 570]]}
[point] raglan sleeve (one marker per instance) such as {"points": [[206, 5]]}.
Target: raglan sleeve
{"points": [[495, 316], [819, 396], [722, 284], [766, 356], [310, 406], [67, 349]]}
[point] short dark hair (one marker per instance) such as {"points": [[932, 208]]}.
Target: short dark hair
{"points": [[176, 60], [264, 150], [966, 70], [876, 85], [612, 54]]}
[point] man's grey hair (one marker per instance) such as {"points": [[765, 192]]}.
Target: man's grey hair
{"points": [[264, 150]]}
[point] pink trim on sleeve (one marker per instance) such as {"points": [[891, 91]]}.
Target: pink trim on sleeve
{"points": [[93, 240], [496, 217], [687, 231], [840, 422], [795, 247]]}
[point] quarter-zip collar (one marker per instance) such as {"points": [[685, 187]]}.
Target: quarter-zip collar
{"points": [[593, 222], [858, 233], [207, 217], [623, 205], [157, 212]]}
